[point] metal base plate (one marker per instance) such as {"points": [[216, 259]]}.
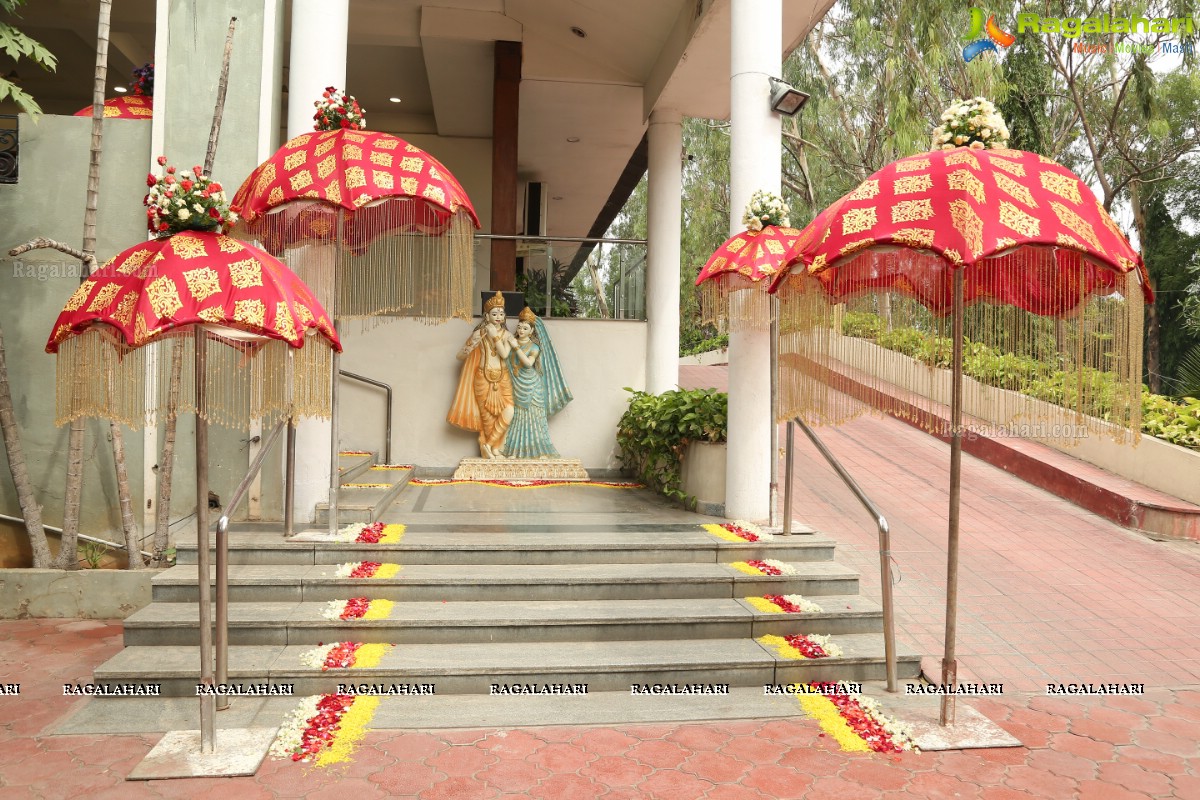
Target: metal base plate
{"points": [[921, 713], [238, 751]]}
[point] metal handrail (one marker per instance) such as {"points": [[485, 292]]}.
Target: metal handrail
{"points": [[574, 239], [387, 441], [222, 544], [885, 545], [83, 536]]}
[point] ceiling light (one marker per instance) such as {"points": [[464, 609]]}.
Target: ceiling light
{"points": [[557, 197], [393, 99], [578, 31], [120, 89], [785, 98], [572, 139]]}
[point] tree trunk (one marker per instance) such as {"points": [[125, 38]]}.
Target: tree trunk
{"points": [[166, 465], [133, 547], [16, 464]]}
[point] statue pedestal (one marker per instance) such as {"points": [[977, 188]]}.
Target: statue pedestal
{"points": [[520, 469]]}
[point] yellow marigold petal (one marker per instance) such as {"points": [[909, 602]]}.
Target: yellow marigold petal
{"points": [[351, 729], [379, 609], [721, 533], [781, 647], [392, 533], [831, 721], [763, 604], [369, 655], [387, 571], [742, 566]]}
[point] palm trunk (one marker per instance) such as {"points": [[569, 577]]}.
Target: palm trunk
{"points": [[16, 464]]}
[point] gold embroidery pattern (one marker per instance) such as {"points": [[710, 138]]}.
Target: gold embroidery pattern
{"points": [[409, 186], [857, 220], [104, 297], [293, 160], [912, 184], [326, 166], [736, 245], [1108, 221], [854, 247], [124, 310], [164, 296], [300, 180], [202, 283], [953, 256], [865, 190], [246, 273], [321, 226], [387, 144], [1007, 152], [1009, 167], [910, 210], [411, 148], [313, 193], [323, 148], [140, 329], [296, 141], [912, 165], [774, 247], [250, 312], [213, 314], [186, 246], [968, 224], [136, 259], [276, 197], [382, 159], [818, 263], [1005, 242], [412, 164], [382, 180], [1127, 264], [351, 152], [1076, 223], [265, 178], [354, 137], [362, 200], [913, 237], [434, 175], [333, 192], [303, 313], [962, 180], [1018, 220], [227, 244], [435, 194], [1064, 186], [1066, 240], [1015, 189], [718, 265], [283, 322], [1045, 160], [962, 155], [356, 178]]}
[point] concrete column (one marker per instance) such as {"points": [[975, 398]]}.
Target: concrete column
{"points": [[756, 46], [665, 218], [318, 59]]}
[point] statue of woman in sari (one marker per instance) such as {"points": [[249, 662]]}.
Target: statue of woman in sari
{"points": [[539, 390]]}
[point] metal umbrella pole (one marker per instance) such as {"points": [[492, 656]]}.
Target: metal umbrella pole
{"points": [[949, 662], [774, 491], [207, 698], [335, 477]]}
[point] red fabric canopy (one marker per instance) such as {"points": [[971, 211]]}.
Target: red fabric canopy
{"points": [[194, 277], [125, 106], [753, 255], [905, 227]]}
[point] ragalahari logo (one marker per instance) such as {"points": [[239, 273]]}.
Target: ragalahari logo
{"points": [[984, 37]]}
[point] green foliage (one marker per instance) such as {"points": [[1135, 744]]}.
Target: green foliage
{"points": [[1162, 417], [655, 429], [696, 342], [17, 45], [532, 281], [93, 553]]}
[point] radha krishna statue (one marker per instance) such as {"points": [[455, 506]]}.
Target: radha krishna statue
{"points": [[539, 389]]}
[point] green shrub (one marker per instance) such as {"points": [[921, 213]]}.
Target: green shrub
{"points": [[655, 429], [719, 342]]}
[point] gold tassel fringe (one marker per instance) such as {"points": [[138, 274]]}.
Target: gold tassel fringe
{"points": [[733, 302]]}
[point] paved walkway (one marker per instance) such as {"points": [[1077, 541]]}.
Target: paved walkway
{"points": [[1049, 593]]}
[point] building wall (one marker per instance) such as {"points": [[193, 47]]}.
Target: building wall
{"points": [[599, 358]]}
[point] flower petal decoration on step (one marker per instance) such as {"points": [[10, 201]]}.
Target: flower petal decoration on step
{"points": [[768, 566], [357, 608], [371, 532], [855, 722], [324, 729], [797, 646], [536, 484], [738, 531], [345, 655], [784, 604], [367, 569]]}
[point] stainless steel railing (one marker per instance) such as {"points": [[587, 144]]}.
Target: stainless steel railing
{"points": [[387, 421], [885, 537]]}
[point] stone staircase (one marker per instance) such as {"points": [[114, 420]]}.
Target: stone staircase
{"points": [[367, 488], [481, 604]]}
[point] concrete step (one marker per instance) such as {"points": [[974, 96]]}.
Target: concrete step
{"points": [[473, 668], [498, 582], [561, 547], [540, 621], [352, 465], [367, 496]]}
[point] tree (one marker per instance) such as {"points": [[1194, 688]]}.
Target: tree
{"points": [[17, 45]]}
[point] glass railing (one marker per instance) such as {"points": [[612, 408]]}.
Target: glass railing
{"points": [[585, 278], [9, 148]]}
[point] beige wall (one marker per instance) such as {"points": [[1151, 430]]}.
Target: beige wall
{"points": [[598, 358]]}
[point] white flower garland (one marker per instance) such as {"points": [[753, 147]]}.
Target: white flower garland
{"points": [[805, 605], [826, 644], [783, 567], [766, 208], [291, 732], [750, 527], [334, 609], [899, 731], [971, 123], [315, 657]]}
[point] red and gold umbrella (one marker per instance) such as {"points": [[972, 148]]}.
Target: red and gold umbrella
{"points": [[733, 283], [125, 106], [256, 314], [388, 213], [1001, 253]]}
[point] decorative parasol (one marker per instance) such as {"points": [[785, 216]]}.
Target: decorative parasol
{"points": [[125, 106], [255, 312], [385, 211], [734, 281], [1004, 252]]}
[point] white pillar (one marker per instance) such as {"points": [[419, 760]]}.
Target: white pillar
{"points": [[754, 163], [318, 59], [665, 221]]}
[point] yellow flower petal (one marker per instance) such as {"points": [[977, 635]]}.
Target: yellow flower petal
{"points": [[763, 604], [379, 609], [351, 729], [830, 719], [369, 655]]}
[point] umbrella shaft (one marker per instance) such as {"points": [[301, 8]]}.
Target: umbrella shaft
{"points": [[949, 663]]}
